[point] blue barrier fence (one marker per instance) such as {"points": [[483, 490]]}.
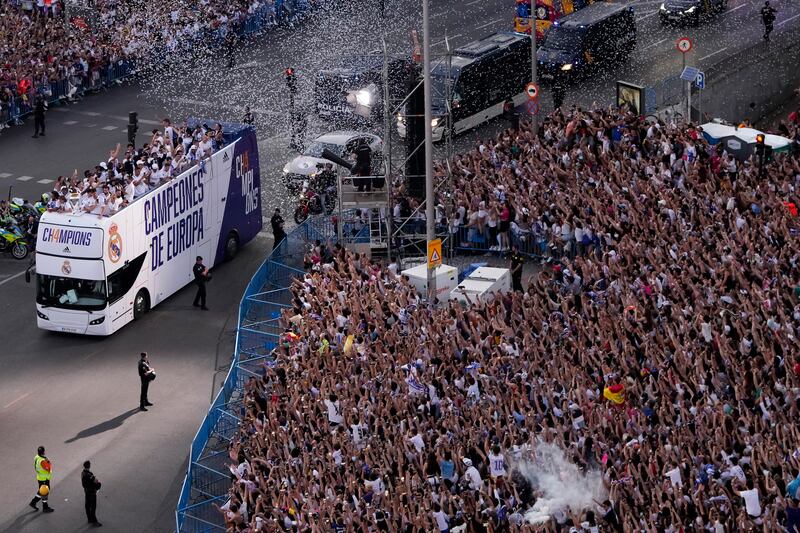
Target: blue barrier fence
{"points": [[268, 293], [56, 92]]}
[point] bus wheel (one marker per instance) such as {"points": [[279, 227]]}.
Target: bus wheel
{"points": [[231, 246], [141, 305]]}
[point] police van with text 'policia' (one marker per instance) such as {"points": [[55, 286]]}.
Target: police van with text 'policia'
{"points": [[96, 274]]}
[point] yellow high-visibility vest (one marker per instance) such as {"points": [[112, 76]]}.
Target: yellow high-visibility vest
{"points": [[42, 473]]}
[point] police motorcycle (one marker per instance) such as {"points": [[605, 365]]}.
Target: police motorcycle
{"points": [[12, 240], [310, 202]]}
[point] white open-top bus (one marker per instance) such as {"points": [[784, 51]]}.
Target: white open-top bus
{"points": [[95, 274]]}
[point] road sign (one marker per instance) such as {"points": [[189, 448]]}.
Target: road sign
{"points": [[690, 73], [434, 253], [532, 107], [533, 90], [684, 44], [700, 80]]}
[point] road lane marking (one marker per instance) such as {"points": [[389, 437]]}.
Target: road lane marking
{"points": [[108, 128], [787, 20], [45, 181], [15, 276], [737, 7], [647, 16], [6, 406], [70, 122], [449, 38], [473, 2], [92, 113], [491, 22], [713, 53], [25, 178], [654, 44]]}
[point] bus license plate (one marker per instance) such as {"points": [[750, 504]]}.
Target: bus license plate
{"points": [[69, 330]]}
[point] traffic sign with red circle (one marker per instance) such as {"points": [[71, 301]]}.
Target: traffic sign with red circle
{"points": [[533, 90], [683, 45]]}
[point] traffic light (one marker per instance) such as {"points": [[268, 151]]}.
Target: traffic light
{"points": [[761, 147], [291, 80], [133, 126]]}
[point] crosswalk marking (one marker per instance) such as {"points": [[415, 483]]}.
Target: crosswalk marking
{"points": [[108, 128], [24, 178], [70, 122], [4, 174], [45, 181]]}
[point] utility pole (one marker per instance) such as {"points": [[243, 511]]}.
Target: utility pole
{"points": [[534, 116], [429, 192]]}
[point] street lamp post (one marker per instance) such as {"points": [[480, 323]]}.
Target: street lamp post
{"points": [[534, 117]]}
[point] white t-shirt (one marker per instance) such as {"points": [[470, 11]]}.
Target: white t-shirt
{"points": [[751, 503], [441, 520], [474, 478], [334, 412], [675, 477], [497, 465]]}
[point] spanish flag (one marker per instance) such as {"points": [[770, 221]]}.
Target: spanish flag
{"points": [[615, 394]]}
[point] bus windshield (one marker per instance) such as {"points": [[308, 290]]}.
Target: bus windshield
{"points": [[564, 39], [70, 293]]}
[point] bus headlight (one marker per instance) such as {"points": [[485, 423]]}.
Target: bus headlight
{"points": [[691, 10], [286, 168], [97, 321], [663, 7], [42, 315], [568, 66], [401, 120], [364, 97], [434, 122]]}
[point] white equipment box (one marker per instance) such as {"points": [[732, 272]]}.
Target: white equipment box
{"points": [[481, 284], [446, 279]]}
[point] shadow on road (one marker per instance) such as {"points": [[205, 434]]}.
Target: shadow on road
{"points": [[22, 521], [103, 426]]}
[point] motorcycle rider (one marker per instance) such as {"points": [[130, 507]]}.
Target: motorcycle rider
{"points": [[5, 213], [31, 230], [326, 183]]}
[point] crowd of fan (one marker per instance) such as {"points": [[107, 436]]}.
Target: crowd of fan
{"points": [[39, 46], [121, 179], [665, 360]]}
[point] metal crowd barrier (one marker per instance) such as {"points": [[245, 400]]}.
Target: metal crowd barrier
{"points": [[266, 296], [536, 245]]}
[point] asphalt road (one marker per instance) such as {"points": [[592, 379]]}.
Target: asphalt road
{"points": [[79, 397], [76, 395]]}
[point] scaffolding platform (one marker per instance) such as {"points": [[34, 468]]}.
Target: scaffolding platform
{"points": [[351, 198]]}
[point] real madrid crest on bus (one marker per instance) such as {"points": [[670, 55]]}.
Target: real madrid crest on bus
{"points": [[114, 244]]}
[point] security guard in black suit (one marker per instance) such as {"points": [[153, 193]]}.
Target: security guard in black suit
{"points": [[146, 375], [517, 262], [200, 279], [90, 487]]}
